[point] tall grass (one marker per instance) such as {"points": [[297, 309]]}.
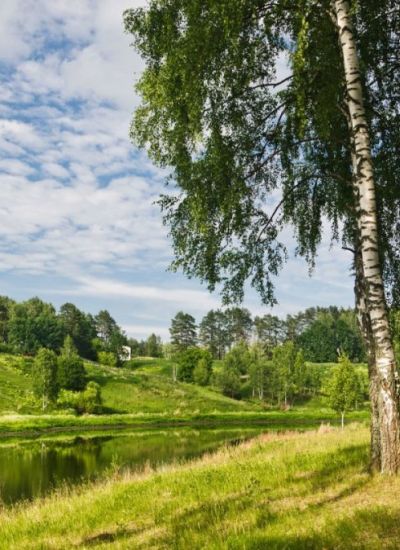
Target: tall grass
{"points": [[292, 491]]}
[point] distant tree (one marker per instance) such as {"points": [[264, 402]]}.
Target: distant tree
{"points": [[343, 387], [283, 359], [6, 305], [332, 331], [44, 376], [239, 324], [214, 333], [269, 331], [106, 326], [80, 327], [300, 374], [238, 358], [33, 324], [259, 370], [188, 360], [71, 373], [228, 380], [319, 342], [183, 331], [153, 346]]}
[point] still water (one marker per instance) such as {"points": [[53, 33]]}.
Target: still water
{"points": [[33, 468]]}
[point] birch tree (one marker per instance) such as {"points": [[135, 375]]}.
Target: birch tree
{"points": [[323, 137]]}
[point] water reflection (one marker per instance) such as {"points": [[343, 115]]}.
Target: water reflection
{"points": [[33, 468]]}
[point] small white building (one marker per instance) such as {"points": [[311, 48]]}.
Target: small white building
{"points": [[125, 353]]}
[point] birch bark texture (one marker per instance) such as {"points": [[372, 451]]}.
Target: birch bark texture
{"points": [[364, 183]]}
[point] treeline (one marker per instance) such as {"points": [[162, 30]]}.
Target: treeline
{"points": [[26, 327], [322, 333]]}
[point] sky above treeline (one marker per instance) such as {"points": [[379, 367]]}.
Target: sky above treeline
{"points": [[77, 215]]}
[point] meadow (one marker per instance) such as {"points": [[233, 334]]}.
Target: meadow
{"points": [[277, 491]]}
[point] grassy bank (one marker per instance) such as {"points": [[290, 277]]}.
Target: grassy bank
{"points": [[12, 425], [279, 491]]}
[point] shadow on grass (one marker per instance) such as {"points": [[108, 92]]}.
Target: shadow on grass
{"points": [[367, 529]]}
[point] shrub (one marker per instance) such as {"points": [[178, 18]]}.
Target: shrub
{"points": [[87, 401], [107, 358], [188, 360], [202, 372]]}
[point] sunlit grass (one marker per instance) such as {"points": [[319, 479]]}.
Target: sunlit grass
{"points": [[279, 491]]}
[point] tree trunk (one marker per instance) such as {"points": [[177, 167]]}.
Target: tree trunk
{"points": [[342, 420], [364, 322], [389, 418]]}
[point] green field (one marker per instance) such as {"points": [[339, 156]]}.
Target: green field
{"points": [[142, 396], [290, 491]]}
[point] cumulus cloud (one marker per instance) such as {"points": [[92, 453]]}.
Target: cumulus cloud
{"points": [[76, 198]]}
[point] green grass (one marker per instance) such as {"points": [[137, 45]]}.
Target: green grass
{"points": [[15, 384], [141, 397], [290, 491], [149, 388]]}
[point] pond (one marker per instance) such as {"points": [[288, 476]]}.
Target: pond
{"points": [[33, 468]]}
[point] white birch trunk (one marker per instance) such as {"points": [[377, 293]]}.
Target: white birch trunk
{"points": [[389, 420]]}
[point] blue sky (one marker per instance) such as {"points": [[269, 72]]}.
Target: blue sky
{"points": [[77, 219]]}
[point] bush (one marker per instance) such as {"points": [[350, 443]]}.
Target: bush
{"points": [[202, 372], [188, 360], [107, 358], [87, 401]]}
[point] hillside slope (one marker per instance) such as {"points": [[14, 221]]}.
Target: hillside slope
{"points": [[147, 389]]}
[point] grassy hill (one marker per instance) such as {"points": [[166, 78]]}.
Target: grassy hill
{"points": [[145, 395], [148, 388], [290, 491]]}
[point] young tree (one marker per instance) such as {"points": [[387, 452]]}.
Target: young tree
{"points": [[343, 388], [233, 133], [44, 376], [183, 331], [71, 374]]}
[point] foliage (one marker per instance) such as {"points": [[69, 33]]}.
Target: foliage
{"points": [[189, 359], [71, 373], [330, 333], [80, 327], [202, 372], [228, 380], [86, 401], [283, 360], [34, 324], [214, 333], [44, 376], [153, 346], [107, 358], [183, 331], [344, 387]]}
